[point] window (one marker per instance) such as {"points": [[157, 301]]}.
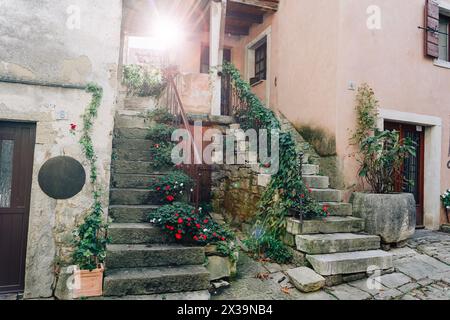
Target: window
{"points": [[444, 37], [204, 60], [260, 63]]}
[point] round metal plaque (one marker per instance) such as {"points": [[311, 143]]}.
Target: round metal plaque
{"points": [[62, 178]]}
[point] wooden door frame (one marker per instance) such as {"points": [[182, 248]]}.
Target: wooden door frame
{"points": [[26, 179], [432, 161], [401, 127]]}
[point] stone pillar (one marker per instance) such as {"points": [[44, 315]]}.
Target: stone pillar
{"points": [[216, 33]]}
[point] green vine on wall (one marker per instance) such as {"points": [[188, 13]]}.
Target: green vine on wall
{"points": [[90, 237], [286, 189]]}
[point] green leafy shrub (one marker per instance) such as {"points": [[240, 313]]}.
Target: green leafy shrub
{"points": [[322, 142], [446, 199], [143, 81], [186, 224], [269, 246], [162, 116], [161, 132], [381, 154], [173, 186]]}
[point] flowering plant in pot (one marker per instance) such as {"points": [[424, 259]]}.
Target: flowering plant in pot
{"points": [[446, 202], [381, 155]]}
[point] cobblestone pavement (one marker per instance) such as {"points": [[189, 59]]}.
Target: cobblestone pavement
{"points": [[422, 272]]}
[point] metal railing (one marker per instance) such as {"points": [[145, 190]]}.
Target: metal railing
{"points": [[174, 105]]}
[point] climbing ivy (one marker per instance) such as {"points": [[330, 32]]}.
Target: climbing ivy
{"points": [[90, 237], [286, 189]]}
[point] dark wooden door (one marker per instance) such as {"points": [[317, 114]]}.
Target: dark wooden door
{"points": [[16, 165], [413, 167]]}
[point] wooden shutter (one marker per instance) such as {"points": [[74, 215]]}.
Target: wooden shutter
{"points": [[432, 23]]}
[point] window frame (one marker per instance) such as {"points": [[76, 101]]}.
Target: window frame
{"points": [[443, 17], [261, 62]]}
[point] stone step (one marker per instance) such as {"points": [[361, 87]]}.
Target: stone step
{"points": [[130, 214], [325, 225], [310, 169], [131, 155], [350, 262], [134, 181], [327, 195], [317, 182], [131, 133], [138, 167], [336, 242], [134, 197], [143, 256], [178, 296], [144, 281], [133, 144], [340, 209], [132, 121], [137, 233]]}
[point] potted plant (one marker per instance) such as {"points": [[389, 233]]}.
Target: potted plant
{"points": [[90, 252], [381, 155]]}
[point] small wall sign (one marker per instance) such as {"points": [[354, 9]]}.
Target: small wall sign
{"points": [[62, 177]]}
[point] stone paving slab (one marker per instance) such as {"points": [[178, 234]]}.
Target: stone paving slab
{"points": [[417, 276]]}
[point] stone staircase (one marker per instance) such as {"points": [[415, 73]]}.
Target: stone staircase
{"points": [[336, 246], [141, 261]]}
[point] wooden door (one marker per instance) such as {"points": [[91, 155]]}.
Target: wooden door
{"points": [[16, 165], [413, 167]]}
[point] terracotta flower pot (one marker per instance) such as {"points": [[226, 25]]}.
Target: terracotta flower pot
{"points": [[88, 283]]}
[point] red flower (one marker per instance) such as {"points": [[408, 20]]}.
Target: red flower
{"points": [[158, 189], [214, 234], [188, 224], [223, 239], [325, 208], [189, 219], [170, 198], [195, 238], [309, 190], [205, 221], [73, 126], [178, 236], [157, 146], [302, 196], [198, 226], [177, 215], [180, 221], [167, 227], [267, 165], [167, 188], [180, 231]]}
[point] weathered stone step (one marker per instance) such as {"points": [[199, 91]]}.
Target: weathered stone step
{"points": [[177, 296], [325, 225], [143, 256], [143, 281], [134, 144], [340, 209], [327, 195], [131, 214], [131, 121], [131, 155], [138, 167], [336, 242], [310, 169], [135, 181], [350, 262], [131, 133], [134, 197], [137, 233], [317, 182]]}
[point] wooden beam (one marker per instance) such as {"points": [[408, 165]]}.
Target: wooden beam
{"points": [[262, 4], [237, 31], [252, 18]]}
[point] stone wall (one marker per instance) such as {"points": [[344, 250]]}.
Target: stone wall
{"points": [[236, 191], [53, 42]]}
